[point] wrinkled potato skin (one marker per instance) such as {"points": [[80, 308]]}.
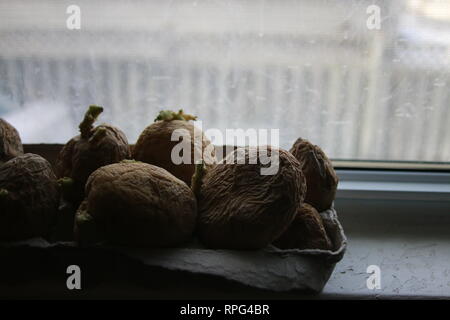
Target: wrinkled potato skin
{"points": [[305, 232], [241, 209], [154, 146], [80, 157], [141, 204], [321, 179], [10, 143], [30, 208]]}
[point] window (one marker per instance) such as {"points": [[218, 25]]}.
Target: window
{"points": [[366, 80], [322, 70]]}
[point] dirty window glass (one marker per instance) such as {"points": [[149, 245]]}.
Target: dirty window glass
{"points": [[362, 79]]}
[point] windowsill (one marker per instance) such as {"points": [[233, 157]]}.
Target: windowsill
{"points": [[394, 185], [398, 221], [411, 268]]}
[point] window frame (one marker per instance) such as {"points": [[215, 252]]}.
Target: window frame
{"points": [[401, 185]]}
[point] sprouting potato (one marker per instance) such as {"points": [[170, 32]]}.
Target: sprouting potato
{"points": [[155, 144], [135, 203], [85, 153]]}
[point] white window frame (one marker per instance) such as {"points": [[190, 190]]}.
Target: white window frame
{"points": [[394, 185]]}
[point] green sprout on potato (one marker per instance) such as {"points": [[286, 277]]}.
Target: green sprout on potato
{"points": [[90, 117], [168, 115]]}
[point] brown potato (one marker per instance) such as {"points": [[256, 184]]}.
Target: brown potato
{"points": [[10, 143], [92, 149], [239, 208], [305, 232], [134, 203], [154, 145], [28, 198], [321, 179]]}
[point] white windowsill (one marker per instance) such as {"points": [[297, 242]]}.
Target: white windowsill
{"points": [[389, 185], [399, 221]]}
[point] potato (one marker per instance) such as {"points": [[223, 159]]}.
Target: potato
{"points": [[10, 143], [240, 208], [154, 145], [92, 149], [321, 179], [28, 198], [305, 232], [134, 203]]}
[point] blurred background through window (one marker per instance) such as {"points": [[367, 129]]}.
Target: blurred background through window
{"points": [[311, 68]]}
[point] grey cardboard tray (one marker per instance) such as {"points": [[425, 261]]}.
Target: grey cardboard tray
{"points": [[269, 268]]}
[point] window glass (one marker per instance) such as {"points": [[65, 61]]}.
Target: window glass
{"points": [[363, 79]]}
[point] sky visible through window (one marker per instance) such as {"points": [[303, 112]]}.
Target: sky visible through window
{"points": [[362, 79]]}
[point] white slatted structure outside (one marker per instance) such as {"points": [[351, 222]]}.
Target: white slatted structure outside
{"points": [[360, 97]]}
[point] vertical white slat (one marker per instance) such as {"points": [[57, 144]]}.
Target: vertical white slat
{"points": [[195, 94], [209, 101], [330, 127], [317, 105], [230, 95], [221, 96], [4, 76], [263, 94], [185, 88], [296, 100], [79, 83], [131, 86], [203, 93], [382, 104], [29, 86], [11, 78], [115, 93], [289, 109], [352, 106], [48, 91], [359, 116], [445, 155], [370, 119], [68, 75], [237, 99], [123, 71], [248, 110], [285, 107], [168, 84], [89, 75], [138, 123], [35, 79], [99, 79], [399, 129], [437, 122], [56, 81], [276, 108], [146, 110], [63, 75], [152, 93], [446, 146], [260, 92], [416, 128]]}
